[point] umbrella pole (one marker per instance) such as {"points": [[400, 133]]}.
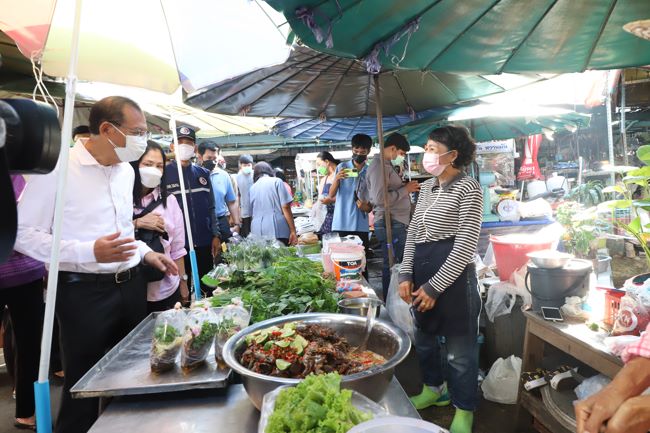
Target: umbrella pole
{"points": [[380, 135], [196, 281], [42, 386], [610, 134]]}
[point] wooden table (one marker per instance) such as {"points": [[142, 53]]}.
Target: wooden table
{"points": [[572, 338]]}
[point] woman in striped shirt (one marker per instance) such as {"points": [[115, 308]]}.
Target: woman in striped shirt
{"points": [[439, 278]]}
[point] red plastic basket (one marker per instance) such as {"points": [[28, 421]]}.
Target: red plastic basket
{"points": [[612, 304]]}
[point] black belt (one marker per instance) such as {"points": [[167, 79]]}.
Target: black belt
{"points": [[78, 277]]}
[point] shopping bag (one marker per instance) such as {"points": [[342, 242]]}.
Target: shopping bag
{"points": [[502, 382], [317, 214], [398, 310]]}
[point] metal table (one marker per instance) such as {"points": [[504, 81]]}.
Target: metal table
{"points": [[225, 411]]}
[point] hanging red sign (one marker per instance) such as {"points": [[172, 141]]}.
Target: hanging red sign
{"points": [[530, 167]]}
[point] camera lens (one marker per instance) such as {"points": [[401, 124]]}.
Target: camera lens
{"points": [[33, 135]]}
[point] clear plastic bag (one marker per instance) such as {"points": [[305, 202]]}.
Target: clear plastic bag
{"points": [[591, 386], [167, 340], [230, 320], [632, 317], [317, 214], [500, 300], [398, 310], [502, 382], [200, 329], [217, 275]]}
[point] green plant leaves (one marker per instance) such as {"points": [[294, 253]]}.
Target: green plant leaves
{"points": [[614, 189], [643, 153]]}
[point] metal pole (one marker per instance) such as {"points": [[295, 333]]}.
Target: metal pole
{"points": [[42, 386], [196, 279], [380, 136], [610, 134], [622, 125]]}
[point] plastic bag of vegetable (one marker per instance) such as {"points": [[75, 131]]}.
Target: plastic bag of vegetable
{"points": [[200, 329], [167, 339], [230, 320]]}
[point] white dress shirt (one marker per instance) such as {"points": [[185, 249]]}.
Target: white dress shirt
{"points": [[99, 202]]}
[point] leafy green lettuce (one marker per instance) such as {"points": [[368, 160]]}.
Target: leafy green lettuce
{"points": [[315, 405]]}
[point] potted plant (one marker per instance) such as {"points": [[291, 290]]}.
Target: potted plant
{"points": [[634, 194], [580, 229]]}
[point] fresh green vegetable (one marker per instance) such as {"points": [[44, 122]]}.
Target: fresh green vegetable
{"points": [[292, 285], [165, 334], [207, 333], [315, 405]]}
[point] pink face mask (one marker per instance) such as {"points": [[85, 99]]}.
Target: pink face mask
{"points": [[431, 163]]}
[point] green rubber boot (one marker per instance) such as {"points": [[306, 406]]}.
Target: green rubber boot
{"points": [[462, 422], [429, 397]]}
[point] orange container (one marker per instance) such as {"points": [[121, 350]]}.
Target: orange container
{"points": [[510, 252], [612, 304]]}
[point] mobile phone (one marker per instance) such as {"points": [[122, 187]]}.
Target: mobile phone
{"points": [[552, 314], [351, 172]]}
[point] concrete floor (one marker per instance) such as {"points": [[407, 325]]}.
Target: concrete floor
{"points": [[490, 417]]}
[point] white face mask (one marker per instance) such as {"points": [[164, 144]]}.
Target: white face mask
{"points": [[247, 170], [185, 152], [134, 148], [150, 176]]}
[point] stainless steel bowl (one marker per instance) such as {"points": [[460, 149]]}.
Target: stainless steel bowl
{"points": [[386, 339], [359, 306], [549, 259]]}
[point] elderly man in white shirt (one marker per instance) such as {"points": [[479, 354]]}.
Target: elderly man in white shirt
{"points": [[101, 295]]}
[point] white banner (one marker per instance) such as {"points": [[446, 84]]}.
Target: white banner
{"points": [[497, 146]]}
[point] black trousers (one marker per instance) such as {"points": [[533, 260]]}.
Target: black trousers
{"points": [[93, 317], [204, 262], [165, 304], [245, 226], [25, 304]]}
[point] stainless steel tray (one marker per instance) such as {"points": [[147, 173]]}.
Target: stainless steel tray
{"points": [[125, 370]]}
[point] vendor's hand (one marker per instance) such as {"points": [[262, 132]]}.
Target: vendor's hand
{"points": [[364, 206], [112, 248], [343, 174], [185, 293], [216, 247], [293, 239], [412, 187], [151, 221], [405, 289], [327, 200], [593, 412], [632, 417], [422, 301], [161, 262]]}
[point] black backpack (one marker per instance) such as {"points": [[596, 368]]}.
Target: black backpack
{"points": [[152, 239]]}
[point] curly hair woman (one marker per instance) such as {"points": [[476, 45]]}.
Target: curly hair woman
{"points": [[439, 278]]}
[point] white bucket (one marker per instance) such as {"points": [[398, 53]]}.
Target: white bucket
{"points": [[348, 266], [557, 182], [535, 188]]}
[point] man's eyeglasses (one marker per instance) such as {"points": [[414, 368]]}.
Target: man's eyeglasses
{"points": [[137, 132]]}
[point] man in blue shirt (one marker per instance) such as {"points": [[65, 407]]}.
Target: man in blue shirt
{"points": [[204, 225], [225, 199], [350, 190]]}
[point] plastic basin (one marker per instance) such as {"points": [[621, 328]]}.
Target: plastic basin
{"points": [[511, 251]]}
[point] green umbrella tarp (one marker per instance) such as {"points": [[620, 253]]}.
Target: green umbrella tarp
{"points": [[313, 85], [496, 128], [476, 36]]}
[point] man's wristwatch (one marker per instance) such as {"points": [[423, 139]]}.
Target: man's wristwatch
{"points": [[185, 277]]}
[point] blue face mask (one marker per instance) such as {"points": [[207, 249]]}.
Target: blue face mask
{"points": [[398, 161]]}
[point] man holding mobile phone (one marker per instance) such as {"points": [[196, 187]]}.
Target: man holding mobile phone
{"points": [[350, 189]]}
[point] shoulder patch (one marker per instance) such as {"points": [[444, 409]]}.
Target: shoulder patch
{"points": [[203, 181]]}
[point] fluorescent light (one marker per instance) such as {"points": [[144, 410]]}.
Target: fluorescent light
{"points": [[505, 110]]}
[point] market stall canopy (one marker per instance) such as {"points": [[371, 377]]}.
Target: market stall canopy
{"points": [[316, 85], [489, 122], [474, 36], [342, 129], [151, 44]]}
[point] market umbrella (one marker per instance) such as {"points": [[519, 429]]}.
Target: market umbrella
{"points": [[147, 43], [477, 36], [485, 126], [342, 129], [316, 85]]}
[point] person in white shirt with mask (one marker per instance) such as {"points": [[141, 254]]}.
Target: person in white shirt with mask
{"points": [[244, 184], [101, 292]]}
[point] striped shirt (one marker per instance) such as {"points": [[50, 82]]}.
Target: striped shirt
{"points": [[456, 210]]}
